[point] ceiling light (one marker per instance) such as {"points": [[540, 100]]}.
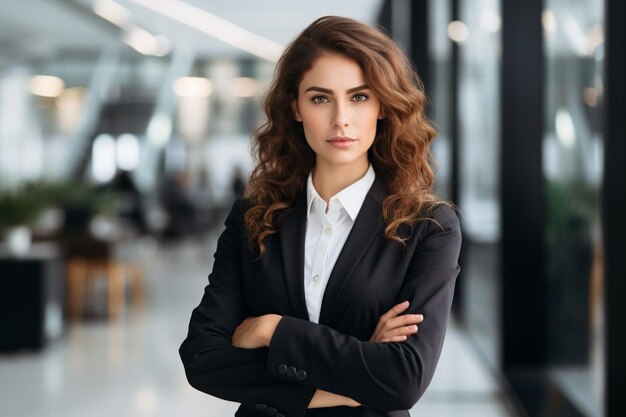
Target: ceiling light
{"points": [[141, 40], [112, 11], [160, 129], [548, 21], [216, 27], [46, 85], [458, 31], [193, 87], [103, 158], [590, 96], [163, 46], [564, 126], [127, 152]]}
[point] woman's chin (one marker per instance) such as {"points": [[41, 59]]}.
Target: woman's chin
{"points": [[338, 160]]}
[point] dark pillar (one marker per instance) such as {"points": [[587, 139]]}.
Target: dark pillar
{"points": [[458, 306], [418, 49], [406, 21], [614, 206], [524, 287]]}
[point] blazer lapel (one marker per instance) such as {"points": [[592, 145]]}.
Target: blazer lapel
{"points": [[292, 234], [366, 226]]}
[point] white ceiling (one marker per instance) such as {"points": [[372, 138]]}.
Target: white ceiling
{"points": [[36, 28]]}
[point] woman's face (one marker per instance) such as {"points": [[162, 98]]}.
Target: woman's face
{"points": [[338, 112]]}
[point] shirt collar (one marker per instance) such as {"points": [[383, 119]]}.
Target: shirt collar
{"points": [[351, 197]]}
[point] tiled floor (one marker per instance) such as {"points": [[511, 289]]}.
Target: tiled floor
{"points": [[131, 367]]}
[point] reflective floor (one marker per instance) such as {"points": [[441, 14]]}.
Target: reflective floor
{"points": [[131, 367]]}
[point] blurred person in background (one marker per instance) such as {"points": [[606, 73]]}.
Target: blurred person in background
{"points": [[339, 248], [130, 200], [238, 184], [174, 197]]}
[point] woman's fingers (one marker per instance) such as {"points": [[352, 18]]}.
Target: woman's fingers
{"points": [[404, 331], [404, 320], [394, 327], [399, 333], [394, 311], [395, 339]]}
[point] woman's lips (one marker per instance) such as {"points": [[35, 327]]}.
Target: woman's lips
{"points": [[341, 142]]}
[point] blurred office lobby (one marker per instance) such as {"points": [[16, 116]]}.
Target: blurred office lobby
{"points": [[125, 137]]}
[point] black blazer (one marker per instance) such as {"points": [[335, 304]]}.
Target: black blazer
{"points": [[371, 275]]}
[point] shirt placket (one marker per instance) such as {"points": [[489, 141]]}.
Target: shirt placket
{"points": [[319, 262]]}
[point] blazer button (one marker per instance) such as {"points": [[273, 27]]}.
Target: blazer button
{"points": [[261, 406], [282, 368], [301, 374], [291, 371], [271, 411]]}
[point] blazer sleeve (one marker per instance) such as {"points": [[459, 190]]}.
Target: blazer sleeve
{"points": [[384, 376], [212, 365]]}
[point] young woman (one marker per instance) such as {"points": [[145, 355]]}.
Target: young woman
{"points": [[339, 249]]}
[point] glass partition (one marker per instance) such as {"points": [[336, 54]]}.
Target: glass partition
{"points": [[573, 165], [440, 50], [478, 34]]}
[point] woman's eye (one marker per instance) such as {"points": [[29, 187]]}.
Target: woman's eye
{"points": [[321, 99]]}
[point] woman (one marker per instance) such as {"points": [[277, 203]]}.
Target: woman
{"points": [[312, 305]]}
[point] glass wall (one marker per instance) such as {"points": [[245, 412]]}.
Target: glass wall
{"points": [[440, 95], [478, 35], [573, 165]]}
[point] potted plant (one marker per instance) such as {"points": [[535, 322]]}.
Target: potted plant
{"points": [[78, 201], [18, 211]]}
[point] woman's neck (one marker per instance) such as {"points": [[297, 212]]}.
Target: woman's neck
{"points": [[329, 180]]}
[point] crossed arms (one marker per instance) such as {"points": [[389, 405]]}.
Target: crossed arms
{"points": [[247, 360]]}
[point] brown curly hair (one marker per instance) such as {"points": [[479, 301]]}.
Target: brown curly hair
{"points": [[400, 154]]}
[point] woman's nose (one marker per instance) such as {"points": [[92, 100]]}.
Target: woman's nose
{"points": [[340, 118]]}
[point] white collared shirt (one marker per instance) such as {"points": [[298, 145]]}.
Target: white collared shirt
{"points": [[326, 233]]}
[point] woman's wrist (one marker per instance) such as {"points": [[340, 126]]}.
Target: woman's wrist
{"points": [[269, 327]]}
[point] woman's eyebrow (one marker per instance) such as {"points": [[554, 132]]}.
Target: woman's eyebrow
{"points": [[327, 91]]}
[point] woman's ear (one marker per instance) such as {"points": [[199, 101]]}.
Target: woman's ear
{"points": [[381, 116], [296, 112]]}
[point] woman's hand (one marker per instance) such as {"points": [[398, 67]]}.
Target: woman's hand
{"points": [[255, 332], [322, 399], [392, 327]]}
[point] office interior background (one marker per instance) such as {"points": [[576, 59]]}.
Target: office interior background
{"points": [[124, 138]]}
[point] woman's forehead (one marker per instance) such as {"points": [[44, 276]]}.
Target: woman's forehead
{"points": [[333, 72]]}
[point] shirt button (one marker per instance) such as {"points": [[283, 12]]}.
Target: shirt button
{"points": [[327, 230], [316, 278]]}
